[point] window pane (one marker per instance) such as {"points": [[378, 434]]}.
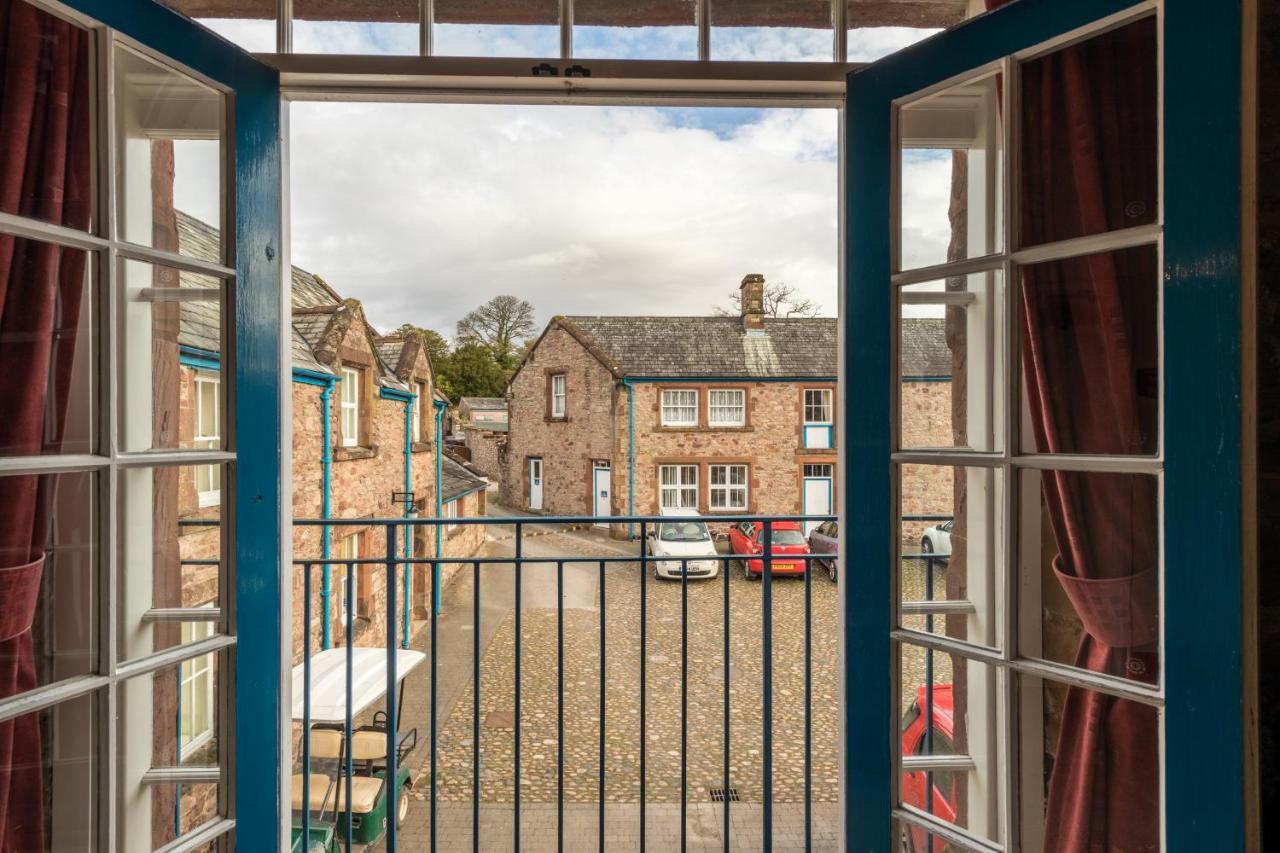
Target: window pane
{"points": [[950, 161], [799, 30], [251, 24], [661, 29], [380, 27], [49, 606], [949, 363], [169, 129], [951, 707], [50, 357], [1089, 553], [1070, 761], [951, 552], [1089, 136], [1090, 354], [463, 28], [53, 778], [45, 146], [872, 37], [171, 544], [172, 336]]}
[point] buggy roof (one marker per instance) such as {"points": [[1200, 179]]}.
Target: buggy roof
{"points": [[329, 681]]}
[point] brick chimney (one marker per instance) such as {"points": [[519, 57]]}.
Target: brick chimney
{"points": [[752, 301]]}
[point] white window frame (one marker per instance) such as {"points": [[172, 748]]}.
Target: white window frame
{"points": [[196, 673], [681, 487], [415, 414], [716, 410], [450, 510], [348, 549], [824, 424], [728, 489], [559, 395], [349, 407], [211, 473], [826, 403], [676, 401]]}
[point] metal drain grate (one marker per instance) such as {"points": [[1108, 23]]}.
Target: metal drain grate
{"points": [[717, 795]]}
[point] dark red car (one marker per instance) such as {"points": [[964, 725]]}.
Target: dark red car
{"points": [[915, 785], [788, 539]]}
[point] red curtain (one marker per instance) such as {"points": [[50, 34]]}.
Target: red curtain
{"points": [[1088, 122], [44, 174]]}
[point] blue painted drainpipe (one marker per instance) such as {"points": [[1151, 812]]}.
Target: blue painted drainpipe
{"points": [[326, 383], [435, 578], [631, 455], [408, 509]]}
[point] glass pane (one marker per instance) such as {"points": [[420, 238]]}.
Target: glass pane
{"points": [[169, 128], [1083, 752], [661, 29], [251, 24], [1090, 354], [870, 38], [950, 707], [1089, 553], [46, 105], [950, 175], [48, 350], [49, 603], [779, 32], [171, 548], [469, 29], [53, 791], [381, 27], [163, 722], [1089, 136], [949, 363], [172, 343], [950, 552]]}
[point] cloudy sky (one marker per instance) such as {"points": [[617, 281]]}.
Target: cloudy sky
{"points": [[424, 211]]}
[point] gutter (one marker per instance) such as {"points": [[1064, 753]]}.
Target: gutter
{"points": [[326, 382], [436, 609], [408, 399], [631, 455]]}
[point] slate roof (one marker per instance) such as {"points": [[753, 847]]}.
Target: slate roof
{"points": [[712, 346], [456, 480], [484, 404], [923, 342]]}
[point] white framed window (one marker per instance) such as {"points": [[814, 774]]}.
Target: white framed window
{"points": [[195, 693], [415, 415], [727, 487], [727, 407], [208, 435], [450, 510], [558, 395], [818, 418], [678, 486], [348, 549], [349, 404], [679, 408], [819, 469]]}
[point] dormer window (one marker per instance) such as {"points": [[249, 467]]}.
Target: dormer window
{"points": [[349, 403]]}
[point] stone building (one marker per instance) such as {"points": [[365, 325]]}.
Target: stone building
{"points": [[483, 412], [631, 415]]}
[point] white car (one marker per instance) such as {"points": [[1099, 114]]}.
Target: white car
{"points": [[682, 541], [937, 539]]}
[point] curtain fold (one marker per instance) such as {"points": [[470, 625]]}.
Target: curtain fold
{"points": [[44, 174], [1088, 126]]}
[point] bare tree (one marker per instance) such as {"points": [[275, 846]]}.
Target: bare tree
{"points": [[500, 325], [780, 300]]}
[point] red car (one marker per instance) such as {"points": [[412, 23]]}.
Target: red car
{"points": [[788, 539], [915, 785]]}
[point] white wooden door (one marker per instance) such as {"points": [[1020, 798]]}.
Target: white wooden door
{"points": [[601, 490], [535, 484], [817, 499]]}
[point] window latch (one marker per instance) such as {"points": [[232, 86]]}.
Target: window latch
{"points": [[577, 71], [546, 69]]}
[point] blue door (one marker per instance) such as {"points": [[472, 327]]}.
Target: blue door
{"points": [[1047, 198]]}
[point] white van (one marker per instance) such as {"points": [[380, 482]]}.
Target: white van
{"points": [[683, 540]]}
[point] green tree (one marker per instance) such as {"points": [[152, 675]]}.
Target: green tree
{"points": [[471, 371], [500, 325], [432, 341]]}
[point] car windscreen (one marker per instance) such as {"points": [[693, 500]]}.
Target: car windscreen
{"points": [[788, 537], [683, 531]]}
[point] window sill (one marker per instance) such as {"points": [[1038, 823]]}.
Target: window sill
{"points": [[817, 451], [555, 419], [347, 454], [421, 447], [744, 428]]}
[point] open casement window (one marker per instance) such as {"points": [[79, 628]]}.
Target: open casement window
{"points": [[679, 408], [349, 549], [558, 395], [1044, 455], [727, 407], [349, 407], [819, 418], [208, 434], [678, 486], [727, 487]]}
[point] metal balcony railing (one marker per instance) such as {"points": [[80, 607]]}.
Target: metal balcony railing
{"points": [[335, 685]]}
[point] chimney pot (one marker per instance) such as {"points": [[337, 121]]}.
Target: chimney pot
{"points": [[752, 301]]}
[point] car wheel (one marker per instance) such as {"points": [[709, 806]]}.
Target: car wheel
{"points": [[926, 545], [746, 570], [832, 570]]}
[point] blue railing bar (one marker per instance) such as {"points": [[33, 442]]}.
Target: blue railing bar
{"points": [[791, 558], [724, 573], [560, 706], [199, 522], [644, 601], [306, 709], [511, 521], [516, 769], [684, 702], [346, 723], [475, 709], [435, 770], [928, 707], [766, 700], [210, 562], [808, 711], [603, 634], [390, 781], [925, 516], [925, 555]]}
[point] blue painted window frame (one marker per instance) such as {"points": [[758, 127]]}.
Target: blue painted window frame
{"points": [[258, 773], [1203, 714]]}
